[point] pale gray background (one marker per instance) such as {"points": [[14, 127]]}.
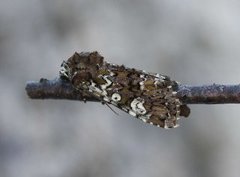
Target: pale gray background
{"points": [[194, 42]]}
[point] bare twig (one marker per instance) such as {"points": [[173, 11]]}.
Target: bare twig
{"points": [[55, 89], [209, 94], [205, 94]]}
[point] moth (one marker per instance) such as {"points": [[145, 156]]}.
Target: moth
{"points": [[147, 96]]}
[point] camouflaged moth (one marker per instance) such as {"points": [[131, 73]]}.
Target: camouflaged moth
{"points": [[146, 96]]}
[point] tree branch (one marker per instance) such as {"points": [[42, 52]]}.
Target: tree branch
{"points": [[209, 94], [55, 89], [204, 94]]}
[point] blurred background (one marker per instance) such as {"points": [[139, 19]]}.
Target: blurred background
{"points": [[194, 42]]}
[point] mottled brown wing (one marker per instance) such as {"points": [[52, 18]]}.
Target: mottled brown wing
{"points": [[149, 97]]}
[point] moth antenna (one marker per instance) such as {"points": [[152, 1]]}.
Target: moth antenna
{"points": [[111, 109]]}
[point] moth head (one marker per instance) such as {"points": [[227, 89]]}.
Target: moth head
{"points": [[81, 68]]}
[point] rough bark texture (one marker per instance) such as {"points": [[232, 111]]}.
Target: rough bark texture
{"points": [[209, 94], [54, 89]]}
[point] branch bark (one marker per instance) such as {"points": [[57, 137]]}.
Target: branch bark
{"points": [[54, 89], [203, 94]]}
